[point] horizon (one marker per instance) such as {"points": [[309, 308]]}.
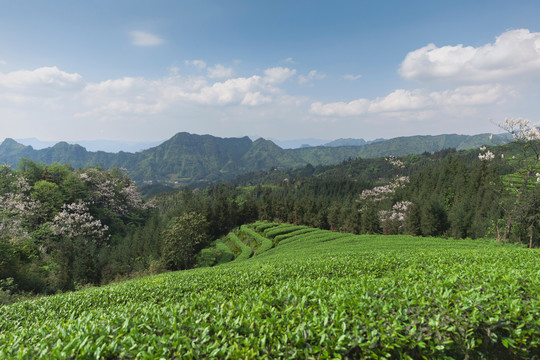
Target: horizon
{"points": [[136, 72], [115, 146]]}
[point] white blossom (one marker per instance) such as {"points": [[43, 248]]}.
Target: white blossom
{"points": [[16, 205], [380, 193], [521, 129], [397, 213], [395, 162], [488, 155], [74, 220], [113, 190]]}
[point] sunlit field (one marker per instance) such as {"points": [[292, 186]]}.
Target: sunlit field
{"points": [[315, 294]]}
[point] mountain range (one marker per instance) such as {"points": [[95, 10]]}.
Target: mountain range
{"points": [[188, 158], [95, 145]]}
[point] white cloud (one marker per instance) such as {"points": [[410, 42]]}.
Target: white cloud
{"points": [[220, 71], [3, 62], [515, 53], [117, 86], [237, 91], [312, 75], [355, 107], [352, 77], [478, 95], [277, 75], [415, 100], [45, 81], [143, 96], [143, 38], [289, 60], [401, 100], [255, 99], [197, 63]]}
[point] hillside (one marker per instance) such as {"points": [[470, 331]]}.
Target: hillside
{"points": [[188, 158], [315, 294]]}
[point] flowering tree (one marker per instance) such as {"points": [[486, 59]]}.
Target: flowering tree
{"points": [[58, 222], [372, 199], [523, 183], [75, 221], [112, 189], [17, 208]]}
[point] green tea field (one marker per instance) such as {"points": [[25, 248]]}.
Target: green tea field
{"points": [[294, 292]]}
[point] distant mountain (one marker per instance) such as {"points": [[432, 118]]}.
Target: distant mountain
{"points": [[36, 143], [298, 143], [351, 142], [187, 158], [95, 145]]}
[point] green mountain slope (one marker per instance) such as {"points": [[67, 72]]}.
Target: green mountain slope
{"points": [[316, 294], [188, 158]]}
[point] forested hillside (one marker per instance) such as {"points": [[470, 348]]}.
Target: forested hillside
{"points": [[188, 159], [62, 228]]}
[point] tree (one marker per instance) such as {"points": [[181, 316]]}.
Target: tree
{"points": [[528, 217], [522, 183], [181, 238], [49, 196], [74, 221], [413, 219], [17, 208], [434, 219], [374, 203]]}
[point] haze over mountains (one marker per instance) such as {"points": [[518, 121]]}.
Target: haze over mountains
{"points": [[113, 146], [187, 158]]}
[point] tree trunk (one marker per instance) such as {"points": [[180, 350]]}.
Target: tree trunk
{"points": [[507, 229]]}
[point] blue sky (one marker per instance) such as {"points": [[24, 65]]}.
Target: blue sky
{"points": [[145, 70]]}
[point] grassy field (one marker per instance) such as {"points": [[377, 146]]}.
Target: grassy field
{"points": [[313, 294]]}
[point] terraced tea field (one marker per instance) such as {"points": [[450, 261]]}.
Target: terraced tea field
{"points": [[294, 292]]}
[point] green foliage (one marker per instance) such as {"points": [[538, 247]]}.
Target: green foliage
{"points": [[50, 196], [265, 244], [282, 229], [355, 296], [246, 250], [207, 257], [262, 226], [181, 238], [293, 234], [434, 220], [224, 253]]}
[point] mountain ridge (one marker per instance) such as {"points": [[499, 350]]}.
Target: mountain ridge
{"points": [[190, 158]]}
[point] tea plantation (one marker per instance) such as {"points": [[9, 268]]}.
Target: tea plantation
{"points": [[295, 292]]}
